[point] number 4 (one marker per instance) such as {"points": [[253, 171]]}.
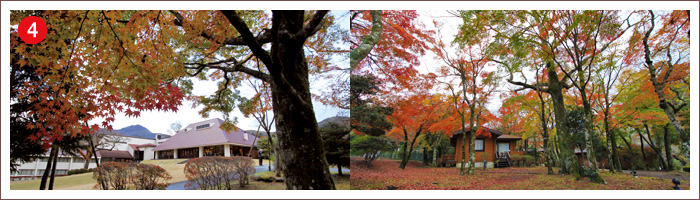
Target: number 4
{"points": [[32, 29]]}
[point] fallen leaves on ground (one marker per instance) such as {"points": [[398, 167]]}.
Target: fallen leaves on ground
{"points": [[385, 174]]}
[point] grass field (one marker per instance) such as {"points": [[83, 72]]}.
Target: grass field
{"points": [[85, 181], [385, 174]]}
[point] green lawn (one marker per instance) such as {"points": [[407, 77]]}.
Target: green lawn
{"points": [[85, 181], [72, 182]]}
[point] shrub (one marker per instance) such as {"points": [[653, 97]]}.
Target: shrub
{"points": [[113, 175], [150, 177], [218, 173], [529, 160], [79, 171], [122, 176], [243, 167], [370, 146], [517, 158]]}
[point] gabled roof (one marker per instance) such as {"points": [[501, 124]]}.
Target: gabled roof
{"points": [[190, 136], [494, 133], [509, 137]]}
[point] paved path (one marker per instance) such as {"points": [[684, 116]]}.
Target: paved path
{"points": [[181, 185], [661, 174]]}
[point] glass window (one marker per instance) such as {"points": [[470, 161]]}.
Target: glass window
{"points": [[61, 172], [202, 126], [188, 153], [479, 146], [168, 154], [29, 172], [214, 150]]}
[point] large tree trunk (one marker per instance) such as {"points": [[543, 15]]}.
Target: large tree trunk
{"points": [[305, 164], [45, 176], [569, 163], [53, 169], [667, 148], [593, 169]]}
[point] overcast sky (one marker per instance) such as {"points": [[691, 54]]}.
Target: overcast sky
{"points": [[159, 122], [430, 63]]}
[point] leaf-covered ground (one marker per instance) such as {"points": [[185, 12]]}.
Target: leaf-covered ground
{"points": [[385, 174]]}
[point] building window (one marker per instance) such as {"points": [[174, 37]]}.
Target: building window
{"points": [[168, 154], [61, 172], [245, 136], [203, 126], [239, 151], [479, 145], [63, 159], [29, 172], [188, 153], [214, 150]]}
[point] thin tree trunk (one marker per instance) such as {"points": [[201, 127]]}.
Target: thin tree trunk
{"points": [[631, 151], [641, 147], [340, 170], [47, 170], [53, 169], [407, 155], [655, 148]]}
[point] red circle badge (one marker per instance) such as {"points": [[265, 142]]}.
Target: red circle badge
{"points": [[32, 30]]}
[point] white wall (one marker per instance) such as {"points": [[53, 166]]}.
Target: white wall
{"points": [[71, 164]]}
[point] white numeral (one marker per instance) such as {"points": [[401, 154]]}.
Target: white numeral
{"points": [[32, 29]]}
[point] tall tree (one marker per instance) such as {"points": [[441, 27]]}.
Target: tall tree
{"points": [[259, 107], [565, 43], [611, 83], [476, 83], [412, 116], [660, 50]]}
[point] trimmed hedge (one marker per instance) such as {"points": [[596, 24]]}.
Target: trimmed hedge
{"points": [[79, 171]]}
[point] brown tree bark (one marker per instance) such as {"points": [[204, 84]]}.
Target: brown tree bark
{"points": [[667, 148], [45, 176], [569, 163], [305, 165], [53, 169]]}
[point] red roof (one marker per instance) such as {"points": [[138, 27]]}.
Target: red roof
{"points": [[190, 136], [115, 154]]}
